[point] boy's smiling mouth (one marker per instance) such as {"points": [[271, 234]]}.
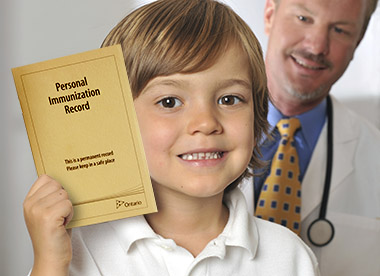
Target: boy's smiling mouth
{"points": [[202, 155]]}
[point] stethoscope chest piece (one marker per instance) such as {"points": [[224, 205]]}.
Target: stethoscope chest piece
{"points": [[320, 232]]}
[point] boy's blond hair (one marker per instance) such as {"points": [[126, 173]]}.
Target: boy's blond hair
{"points": [[187, 36]]}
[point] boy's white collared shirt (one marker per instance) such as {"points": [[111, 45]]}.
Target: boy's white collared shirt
{"points": [[247, 246]]}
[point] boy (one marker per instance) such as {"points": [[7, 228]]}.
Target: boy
{"points": [[198, 80]]}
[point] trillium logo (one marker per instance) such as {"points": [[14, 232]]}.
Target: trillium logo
{"points": [[126, 204]]}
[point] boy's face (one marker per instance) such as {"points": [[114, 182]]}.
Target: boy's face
{"points": [[197, 129]]}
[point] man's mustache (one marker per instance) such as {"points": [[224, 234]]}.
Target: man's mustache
{"points": [[319, 59]]}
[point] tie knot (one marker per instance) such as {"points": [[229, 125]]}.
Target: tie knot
{"points": [[287, 127]]}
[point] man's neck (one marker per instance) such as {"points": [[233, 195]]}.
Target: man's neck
{"points": [[291, 106]]}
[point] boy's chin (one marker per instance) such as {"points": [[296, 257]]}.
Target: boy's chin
{"points": [[196, 189]]}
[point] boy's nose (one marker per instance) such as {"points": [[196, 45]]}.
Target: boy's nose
{"points": [[204, 120]]}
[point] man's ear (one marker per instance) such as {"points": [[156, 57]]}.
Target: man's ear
{"points": [[269, 13], [359, 40], [357, 44]]}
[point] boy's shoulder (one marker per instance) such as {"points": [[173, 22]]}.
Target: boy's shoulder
{"points": [[276, 235], [277, 242], [269, 241], [264, 232]]}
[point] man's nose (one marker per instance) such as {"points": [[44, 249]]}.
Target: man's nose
{"points": [[317, 40]]}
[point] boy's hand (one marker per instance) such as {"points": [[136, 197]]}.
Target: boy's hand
{"points": [[47, 210]]}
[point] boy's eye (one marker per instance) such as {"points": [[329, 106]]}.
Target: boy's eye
{"points": [[170, 102], [229, 100]]}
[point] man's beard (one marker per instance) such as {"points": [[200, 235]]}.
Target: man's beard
{"points": [[306, 95]]}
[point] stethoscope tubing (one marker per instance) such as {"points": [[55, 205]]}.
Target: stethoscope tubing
{"points": [[326, 190], [328, 227]]}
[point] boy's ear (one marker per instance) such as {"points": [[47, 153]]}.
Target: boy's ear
{"points": [[269, 13]]}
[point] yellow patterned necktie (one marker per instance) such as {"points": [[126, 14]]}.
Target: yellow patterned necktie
{"points": [[280, 197]]}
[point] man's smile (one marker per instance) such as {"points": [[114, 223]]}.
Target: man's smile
{"points": [[308, 64]]}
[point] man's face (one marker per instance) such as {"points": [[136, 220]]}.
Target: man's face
{"points": [[311, 43]]}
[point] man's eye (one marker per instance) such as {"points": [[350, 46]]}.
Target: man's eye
{"points": [[302, 18], [229, 100], [170, 102], [339, 30]]}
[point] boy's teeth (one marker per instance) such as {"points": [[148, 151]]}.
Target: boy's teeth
{"points": [[202, 156]]}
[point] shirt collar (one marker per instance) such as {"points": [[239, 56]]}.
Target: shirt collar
{"points": [[311, 121], [132, 229], [239, 230]]}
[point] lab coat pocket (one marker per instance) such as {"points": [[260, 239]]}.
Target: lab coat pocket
{"points": [[355, 249]]}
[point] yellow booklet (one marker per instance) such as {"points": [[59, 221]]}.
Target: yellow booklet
{"points": [[82, 127]]}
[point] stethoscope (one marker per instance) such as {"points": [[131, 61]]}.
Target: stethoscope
{"points": [[321, 231]]}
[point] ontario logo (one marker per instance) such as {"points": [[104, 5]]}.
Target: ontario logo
{"points": [[126, 204]]}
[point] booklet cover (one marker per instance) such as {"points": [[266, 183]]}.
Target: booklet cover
{"points": [[82, 127]]}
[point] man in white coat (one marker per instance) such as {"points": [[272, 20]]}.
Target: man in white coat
{"points": [[311, 43]]}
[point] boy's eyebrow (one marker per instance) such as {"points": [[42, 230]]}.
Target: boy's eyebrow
{"points": [[168, 82], [232, 82], [220, 85]]}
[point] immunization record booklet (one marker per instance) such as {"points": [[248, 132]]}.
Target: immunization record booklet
{"points": [[82, 127]]}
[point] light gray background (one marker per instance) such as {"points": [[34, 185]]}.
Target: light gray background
{"points": [[33, 31]]}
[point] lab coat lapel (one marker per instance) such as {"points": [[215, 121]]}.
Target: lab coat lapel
{"points": [[312, 183], [345, 142]]}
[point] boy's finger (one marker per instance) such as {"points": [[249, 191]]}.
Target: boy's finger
{"points": [[45, 190], [50, 200], [63, 211], [42, 180], [43, 185], [55, 205], [68, 219]]}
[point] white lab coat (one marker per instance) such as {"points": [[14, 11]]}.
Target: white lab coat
{"points": [[354, 202]]}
